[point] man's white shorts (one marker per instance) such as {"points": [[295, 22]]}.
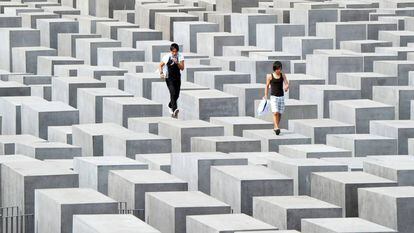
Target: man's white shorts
{"points": [[277, 104]]}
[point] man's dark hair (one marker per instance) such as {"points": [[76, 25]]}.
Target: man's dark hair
{"points": [[277, 65], [174, 46]]}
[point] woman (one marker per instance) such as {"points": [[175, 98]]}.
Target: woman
{"points": [[278, 84]]}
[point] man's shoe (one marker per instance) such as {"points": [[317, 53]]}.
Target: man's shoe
{"points": [[175, 113]]}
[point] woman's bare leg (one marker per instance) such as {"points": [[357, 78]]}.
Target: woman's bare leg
{"points": [[278, 117], [275, 121]]}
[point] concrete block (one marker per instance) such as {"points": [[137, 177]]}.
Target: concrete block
{"points": [[257, 158], [203, 104], [297, 80], [46, 64], [94, 171], [310, 18], [25, 58], [90, 102], [165, 22], [97, 72], [234, 126], [43, 150], [154, 48], [304, 45], [342, 31], [188, 33], [397, 96], [317, 129], [398, 129], [29, 19], [246, 24], [365, 81], [37, 117], [109, 29], [271, 142], [400, 69], [16, 37], [313, 151], [125, 15], [110, 223], [247, 94], [257, 68], [51, 28], [189, 72], [8, 142], [181, 132], [387, 206], [131, 186], [341, 188], [362, 145], [217, 79], [147, 124], [61, 134], [63, 204], [20, 179], [242, 50], [360, 112], [10, 110], [215, 41], [399, 170], [301, 169], [119, 109], [87, 23], [270, 36], [225, 144], [87, 48], [220, 223], [286, 212], [140, 84], [160, 162], [130, 36], [364, 46], [246, 182], [336, 225], [67, 42], [167, 211], [322, 95], [398, 38], [237, 5]]}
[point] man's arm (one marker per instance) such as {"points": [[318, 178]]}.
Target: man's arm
{"points": [[181, 65], [161, 67]]}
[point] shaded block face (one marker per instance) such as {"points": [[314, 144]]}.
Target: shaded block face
{"points": [[167, 211], [94, 171], [245, 182], [286, 212], [399, 170], [195, 168], [301, 170], [247, 94], [131, 186], [213, 42], [225, 223], [389, 206], [217, 79], [399, 129], [340, 188], [337, 225], [55, 208], [313, 151], [50, 29], [187, 33], [48, 150]]}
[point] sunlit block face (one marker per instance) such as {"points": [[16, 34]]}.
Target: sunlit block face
{"points": [[174, 52]]}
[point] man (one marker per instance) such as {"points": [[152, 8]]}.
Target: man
{"points": [[170, 69]]}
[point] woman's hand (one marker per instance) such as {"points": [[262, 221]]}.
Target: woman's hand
{"points": [[286, 88]]}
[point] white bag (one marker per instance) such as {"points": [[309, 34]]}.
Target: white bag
{"points": [[263, 108]]}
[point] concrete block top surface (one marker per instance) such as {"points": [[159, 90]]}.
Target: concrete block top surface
{"points": [[208, 94], [190, 124], [361, 103], [271, 135], [231, 222], [16, 158], [147, 176], [110, 223], [350, 225], [19, 138], [130, 100], [225, 139], [46, 144], [75, 196], [314, 148], [36, 168], [187, 199], [54, 106], [238, 120], [251, 172], [98, 129], [326, 122], [400, 165], [353, 177], [109, 161], [399, 124], [297, 202], [358, 137], [392, 192], [306, 162]]}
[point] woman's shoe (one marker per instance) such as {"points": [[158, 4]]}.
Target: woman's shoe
{"points": [[277, 131]]}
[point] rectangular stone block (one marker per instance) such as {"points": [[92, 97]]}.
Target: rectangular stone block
{"points": [[398, 69], [167, 211], [154, 48], [301, 169], [87, 48], [362, 145], [46, 64], [304, 45], [342, 31], [119, 109], [37, 117], [360, 112], [220, 223], [51, 28], [97, 72], [109, 29], [156, 161], [181, 132], [187, 33], [61, 134], [286, 212], [43, 150], [195, 167], [110, 223], [225, 144], [247, 94], [399, 170], [337, 225], [234, 126], [25, 58], [270, 36], [245, 182], [131, 186], [90, 102], [29, 19], [247, 23], [393, 207], [213, 42], [399, 129], [165, 22], [140, 84], [313, 151], [130, 36], [55, 208], [67, 42], [310, 17], [94, 171], [203, 104], [147, 124], [341, 188], [217, 79]]}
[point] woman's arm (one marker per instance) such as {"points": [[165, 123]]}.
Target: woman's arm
{"points": [[286, 81], [266, 91]]}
